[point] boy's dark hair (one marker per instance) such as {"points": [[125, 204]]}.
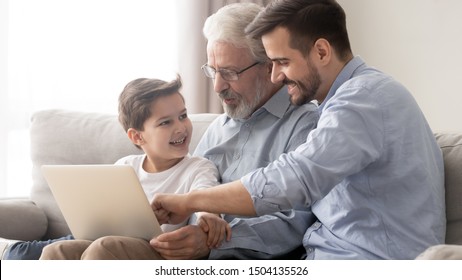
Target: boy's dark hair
{"points": [[136, 100], [307, 21]]}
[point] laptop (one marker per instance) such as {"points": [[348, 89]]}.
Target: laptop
{"points": [[102, 200]]}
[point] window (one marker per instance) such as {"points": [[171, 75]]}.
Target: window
{"points": [[75, 55]]}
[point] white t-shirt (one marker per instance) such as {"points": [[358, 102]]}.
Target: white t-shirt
{"points": [[189, 174]]}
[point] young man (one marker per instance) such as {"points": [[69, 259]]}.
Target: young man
{"points": [[371, 171]]}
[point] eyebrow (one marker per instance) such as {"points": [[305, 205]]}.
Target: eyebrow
{"points": [[232, 67], [279, 59], [168, 117], [229, 67]]}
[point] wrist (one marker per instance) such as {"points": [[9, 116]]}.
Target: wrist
{"points": [[191, 203]]}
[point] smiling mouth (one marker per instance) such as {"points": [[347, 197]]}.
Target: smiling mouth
{"points": [[290, 84], [178, 142], [228, 101], [291, 87]]}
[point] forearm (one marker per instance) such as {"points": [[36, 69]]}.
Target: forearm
{"points": [[202, 214], [230, 198]]}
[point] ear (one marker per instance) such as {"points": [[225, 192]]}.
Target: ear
{"points": [[323, 51], [135, 136], [269, 67]]}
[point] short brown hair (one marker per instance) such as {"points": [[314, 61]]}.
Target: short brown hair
{"points": [[306, 21], [137, 97]]}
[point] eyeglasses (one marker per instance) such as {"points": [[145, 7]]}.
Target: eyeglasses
{"points": [[226, 74]]}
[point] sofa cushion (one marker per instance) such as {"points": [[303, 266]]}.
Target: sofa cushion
{"points": [[21, 219], [451, 146]]}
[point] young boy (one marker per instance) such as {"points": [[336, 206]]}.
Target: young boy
{"points": [[154, 116]]}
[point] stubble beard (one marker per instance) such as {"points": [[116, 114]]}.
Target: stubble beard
{"points": [[307, 88]]}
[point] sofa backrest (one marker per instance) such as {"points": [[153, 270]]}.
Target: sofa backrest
{"points": [[69, 137], [451, 146]]}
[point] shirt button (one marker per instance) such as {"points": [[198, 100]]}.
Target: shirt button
{"points": [[237, 156]]}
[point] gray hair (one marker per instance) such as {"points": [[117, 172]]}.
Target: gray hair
{"points": [[228, 25]]}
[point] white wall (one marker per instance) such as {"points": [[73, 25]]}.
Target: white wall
{"points": [[3, 91], [419, 42]]}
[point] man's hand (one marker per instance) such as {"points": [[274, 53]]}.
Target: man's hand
{"points": [[186, 243], [170, 208], [216, 228]]}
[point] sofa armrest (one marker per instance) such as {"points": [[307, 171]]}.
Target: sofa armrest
{"points": [[442, 252], [21, 219]]}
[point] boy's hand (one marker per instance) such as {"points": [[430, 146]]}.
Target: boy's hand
{"points": [[216, 228], [169, 208]]}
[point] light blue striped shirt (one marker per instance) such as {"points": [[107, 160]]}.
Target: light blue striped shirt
{"points": [[240, 146], [371, 171]]}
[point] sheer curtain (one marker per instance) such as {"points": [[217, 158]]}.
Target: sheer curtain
{"points": [[75, 55], [200, 96]]}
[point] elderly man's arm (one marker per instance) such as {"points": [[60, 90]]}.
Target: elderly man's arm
{"points": [[275, 236]]}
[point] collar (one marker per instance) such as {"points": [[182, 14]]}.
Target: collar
{"points": [[347, 73], [277, 105]]}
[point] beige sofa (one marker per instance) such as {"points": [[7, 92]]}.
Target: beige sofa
{"points": [[66, 137]]}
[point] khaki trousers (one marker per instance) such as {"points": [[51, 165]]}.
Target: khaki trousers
{"points": [[105, 248]]}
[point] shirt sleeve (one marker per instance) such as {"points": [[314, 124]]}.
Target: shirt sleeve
{"points": [[205, 174], [349, 136], [266, 237]]}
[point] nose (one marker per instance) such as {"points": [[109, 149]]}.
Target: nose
{"points": [[276, 74], [219, 84], [180, 126]]}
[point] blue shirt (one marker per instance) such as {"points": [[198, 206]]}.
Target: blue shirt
{"points": [[371, 172], [240, 146]]}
